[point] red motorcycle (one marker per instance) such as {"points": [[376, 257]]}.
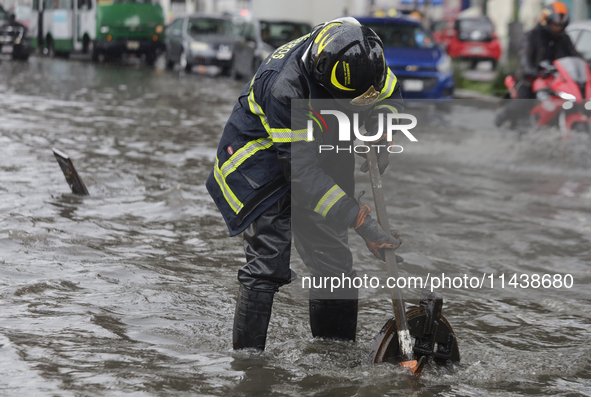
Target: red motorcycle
{"points": [[563, 93]]}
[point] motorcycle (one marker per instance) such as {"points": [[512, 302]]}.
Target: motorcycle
{"points": [[563, 95]]}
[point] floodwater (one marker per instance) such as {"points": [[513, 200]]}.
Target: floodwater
{"points": [[131, 290]]}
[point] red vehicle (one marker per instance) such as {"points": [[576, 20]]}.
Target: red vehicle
{"points": [[475, 39], [563, 93]]}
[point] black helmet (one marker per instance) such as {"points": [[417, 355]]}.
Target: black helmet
{"points": [[348, 60], [556, 13]]}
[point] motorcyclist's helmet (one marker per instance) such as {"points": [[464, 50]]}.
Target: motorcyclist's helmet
{"points": [[556, 13], [347, 59]]}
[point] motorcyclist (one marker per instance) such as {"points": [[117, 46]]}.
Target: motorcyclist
{"points": [[256, 175], [547, 41]]}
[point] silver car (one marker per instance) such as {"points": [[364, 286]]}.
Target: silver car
{"points": [[258, 39], [200, 40]]}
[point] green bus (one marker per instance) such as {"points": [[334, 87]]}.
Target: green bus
{"points": [[102, 28]]}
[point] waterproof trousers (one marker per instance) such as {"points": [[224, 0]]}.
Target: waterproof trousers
{"points": [[324, 250]]}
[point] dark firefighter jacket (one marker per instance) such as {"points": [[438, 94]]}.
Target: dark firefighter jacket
{"points": [[541, 45], [253, 165]]}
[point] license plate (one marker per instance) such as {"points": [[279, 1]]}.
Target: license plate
{"points": [[476, 50], [224, 55], [412, 85], [7, 49], [133, 45]]}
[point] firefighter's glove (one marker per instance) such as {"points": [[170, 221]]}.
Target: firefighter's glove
{"points": [[375, 238]]}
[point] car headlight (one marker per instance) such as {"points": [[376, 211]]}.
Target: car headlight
{"points": [[104, 29], [159, 29], [444, 65], [566, 96], [198, 46]]}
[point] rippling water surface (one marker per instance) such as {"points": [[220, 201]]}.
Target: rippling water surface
{"points": [[131, 290]]}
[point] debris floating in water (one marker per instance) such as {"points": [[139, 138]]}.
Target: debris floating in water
{"points": [[72, 177]]}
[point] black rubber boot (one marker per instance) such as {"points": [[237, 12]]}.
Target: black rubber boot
{"points": [[253, 311], [334, 318]]}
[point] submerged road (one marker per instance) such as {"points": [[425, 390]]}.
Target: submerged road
{"points": [[131, 290]]}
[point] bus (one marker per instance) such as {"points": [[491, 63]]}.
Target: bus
{"points": [[101, 28]]}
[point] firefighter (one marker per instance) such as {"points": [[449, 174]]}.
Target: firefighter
{"points": [[545, 42], [266, 172]]}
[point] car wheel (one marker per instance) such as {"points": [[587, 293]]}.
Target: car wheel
{"points": [[234, 73], [169, 63], [86, 46], [151, 58], [226, 71], [20, 57], [94, 56]]}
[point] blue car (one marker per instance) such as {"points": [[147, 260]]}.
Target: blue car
{"points": [[423, 68]]}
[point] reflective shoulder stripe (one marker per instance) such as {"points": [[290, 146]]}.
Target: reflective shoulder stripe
{"points": [[389, 86], [329, 199], [276, 134], [230, 197], [244, 153]]}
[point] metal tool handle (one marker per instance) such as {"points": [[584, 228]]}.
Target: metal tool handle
{"points": [[404, 339]]}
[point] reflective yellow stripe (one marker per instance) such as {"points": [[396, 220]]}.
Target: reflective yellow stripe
{"points": [[333, 202], [388, 89], [243, 154], [288, 136], [329, 199], [276, 134], [230, 197]]}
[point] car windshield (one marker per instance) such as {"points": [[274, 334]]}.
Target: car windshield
{"points": [[402, 35], [278, 33], [208, 26], [22, 12], [476, 24]]}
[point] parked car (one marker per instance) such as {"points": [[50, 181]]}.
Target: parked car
{"points": [[443, 31], [475, 39], [14, 37], [580, 34], [420, 64], [258, 39], [200, 40]]}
